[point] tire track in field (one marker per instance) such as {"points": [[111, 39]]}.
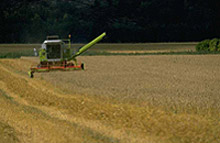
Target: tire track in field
{"points": [[40, 113], [27, 94], [35, 95]]}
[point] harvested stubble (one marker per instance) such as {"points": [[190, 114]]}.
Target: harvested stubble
{"points": [[18, 50], [116, 99]]}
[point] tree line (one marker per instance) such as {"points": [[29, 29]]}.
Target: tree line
{"points": [[30, 21]]}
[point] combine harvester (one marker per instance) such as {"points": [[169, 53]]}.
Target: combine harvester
{"points": [[55, 54]]}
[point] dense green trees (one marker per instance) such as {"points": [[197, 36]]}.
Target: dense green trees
{"points": [[209, 45], [124, 20]]}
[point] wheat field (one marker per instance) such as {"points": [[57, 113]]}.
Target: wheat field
{"points": [[116, 99], [154, 98]]}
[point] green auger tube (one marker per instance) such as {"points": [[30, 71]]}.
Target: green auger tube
{"points": [[89, 45]]}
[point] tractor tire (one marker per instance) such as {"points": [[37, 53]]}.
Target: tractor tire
{"points": [[31, 74], [82, 66]]}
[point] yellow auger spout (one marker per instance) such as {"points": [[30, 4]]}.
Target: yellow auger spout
{"points": [[89, 45]]}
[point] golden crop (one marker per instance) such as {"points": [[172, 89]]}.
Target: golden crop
{"points": [[158, 99]]}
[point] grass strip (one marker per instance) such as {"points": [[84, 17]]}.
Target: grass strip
{"points": [[14, 55]]}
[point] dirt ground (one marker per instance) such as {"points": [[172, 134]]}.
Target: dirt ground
{"points": [[158, 99]]}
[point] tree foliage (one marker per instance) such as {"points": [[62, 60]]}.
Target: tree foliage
{"points": [[124, 20], [209, 45]]}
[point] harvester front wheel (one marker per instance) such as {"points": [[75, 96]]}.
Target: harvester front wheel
{"points": [[31, 74], [82, 66]]}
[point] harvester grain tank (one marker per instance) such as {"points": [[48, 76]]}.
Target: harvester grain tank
{"points": [[55, 54]]}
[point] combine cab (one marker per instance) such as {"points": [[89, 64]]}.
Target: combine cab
{"points": [[55, 54]]}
